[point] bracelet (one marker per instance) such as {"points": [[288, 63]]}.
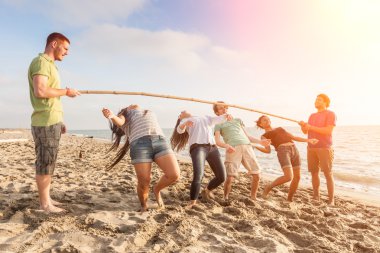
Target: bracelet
{"points": [[67, 91]]}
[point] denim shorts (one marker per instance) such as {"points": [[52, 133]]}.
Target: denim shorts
{"points": [[148, 148], [288, 156]]}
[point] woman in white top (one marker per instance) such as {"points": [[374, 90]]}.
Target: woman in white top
{"points": [[147, 143], [198, 132]]}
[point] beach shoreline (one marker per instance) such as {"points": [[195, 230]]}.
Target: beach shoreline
{"points": [[102, 209]]}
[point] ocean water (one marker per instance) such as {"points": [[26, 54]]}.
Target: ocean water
{"points": [[356, 164]]}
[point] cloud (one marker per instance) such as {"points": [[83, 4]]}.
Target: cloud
{"points": [[182, 51], [87, 12], [81, 13], [176, 48]]}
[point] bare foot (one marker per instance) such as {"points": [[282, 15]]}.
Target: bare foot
{"points": [[227, 202], [266, 191], [55, 203], [53, 209], [143, 209], [253, 197], [205, 195], [159, 200], [331, 203], [211, 194], [191, 204]]}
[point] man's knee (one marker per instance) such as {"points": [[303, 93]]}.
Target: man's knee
{"points": [[328, 175], [315, 174], [256, 177], [229, 179]]}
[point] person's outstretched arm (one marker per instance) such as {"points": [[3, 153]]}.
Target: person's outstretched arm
{"points": [[263, 142], [300, 139], [182, 127], [219, 119], [42, 90], [117, 120], [265, 149]]}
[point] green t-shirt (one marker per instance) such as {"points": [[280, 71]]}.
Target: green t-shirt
{"points": [[232, 132], [47, 111]]}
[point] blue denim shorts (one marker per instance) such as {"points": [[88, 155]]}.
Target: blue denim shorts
{"points": [[288, 156], [148, 148]]}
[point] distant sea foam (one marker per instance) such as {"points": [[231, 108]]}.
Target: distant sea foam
{"points": [[356, 164]]}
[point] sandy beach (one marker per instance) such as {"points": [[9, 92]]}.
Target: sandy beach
{"points": [[102, 208]]}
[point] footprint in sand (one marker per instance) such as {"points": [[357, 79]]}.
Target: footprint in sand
{"points": [[244, 226], [232, 210], [161, 218], [360, 225]]}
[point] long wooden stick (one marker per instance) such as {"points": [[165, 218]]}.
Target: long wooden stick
{"points": [[179, 98]]}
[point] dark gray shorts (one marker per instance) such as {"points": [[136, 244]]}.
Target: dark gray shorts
{"points": [[288, 156], [46, 141]]}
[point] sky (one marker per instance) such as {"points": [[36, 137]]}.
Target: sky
{"points": [[274, 56]]}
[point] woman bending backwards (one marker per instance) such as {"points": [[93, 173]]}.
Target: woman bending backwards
{"points": [[287, 154], [198, 132]]}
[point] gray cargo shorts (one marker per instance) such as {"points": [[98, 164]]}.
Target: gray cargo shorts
{"points": [[46, 140]]}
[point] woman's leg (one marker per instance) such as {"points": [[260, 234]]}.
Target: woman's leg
{"points": [[288, 176], [198, 157], [143, 172], [294, 183], [169, 165], [217, 166]]}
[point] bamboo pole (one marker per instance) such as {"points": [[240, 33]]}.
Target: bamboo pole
{"points": [[132, 93]]}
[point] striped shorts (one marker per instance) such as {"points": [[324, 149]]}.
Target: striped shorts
{"points": [[46, 141]]}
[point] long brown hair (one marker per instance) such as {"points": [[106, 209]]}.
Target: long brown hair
{"points": [[117, 134], [179, 141]]}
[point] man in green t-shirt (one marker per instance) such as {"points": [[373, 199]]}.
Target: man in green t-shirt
{"points": [[237, 143], [47, 117]]}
